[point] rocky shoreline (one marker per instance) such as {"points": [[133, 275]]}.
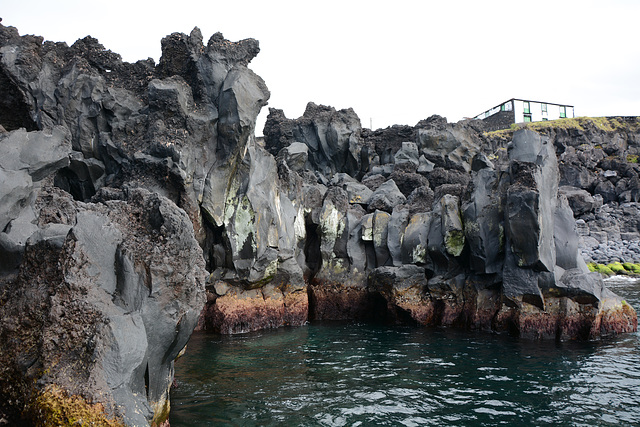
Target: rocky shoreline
{"points": [[607, 244], [136, 204]]}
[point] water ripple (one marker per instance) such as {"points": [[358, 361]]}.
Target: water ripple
{"points": [[362, 375]]}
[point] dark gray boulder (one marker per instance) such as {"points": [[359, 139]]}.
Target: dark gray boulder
{"points": [[607, 190], [407, 158], [521, 284], [28, 158], [396, 233], [16, 189], [441, 176], [580, 200], [582, 286], [577, 175], [420, 199], [458, 142], [407, 182], [380, 234], [449, 189], [415, 241], [386, 197], [297, 155], [373, 180], [425, 166]]}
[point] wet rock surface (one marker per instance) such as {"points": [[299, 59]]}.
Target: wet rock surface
{"points": [[136, 204]]}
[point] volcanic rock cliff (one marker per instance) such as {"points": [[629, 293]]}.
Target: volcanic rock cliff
{"points": [[136, 204], [445, 224]]}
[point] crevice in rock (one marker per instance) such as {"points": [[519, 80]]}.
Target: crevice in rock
{"points": [[513, 329], [370, 253], [313, 257], [146, 380], [14, 111], [217, 247], [312, 303], [69, 181], [438, 311]]}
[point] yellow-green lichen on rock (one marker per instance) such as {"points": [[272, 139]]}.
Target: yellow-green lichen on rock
{"points": [[631, 267], [161, 410], [454, 238], [454, 242], [53, 407], [367, 228]]}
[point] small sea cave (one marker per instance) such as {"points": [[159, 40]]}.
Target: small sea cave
{"points": [[378, 310], [381, 312]]}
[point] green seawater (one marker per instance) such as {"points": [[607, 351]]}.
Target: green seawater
{"points": [[352, 374]]}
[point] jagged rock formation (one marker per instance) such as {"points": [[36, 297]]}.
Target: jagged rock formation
{"points": [[456, 230], [114, 179], [135, 202]]}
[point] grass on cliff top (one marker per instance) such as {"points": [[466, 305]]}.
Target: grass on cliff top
{"points": [[606, 124]]}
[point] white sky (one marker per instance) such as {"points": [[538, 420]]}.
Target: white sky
{"points": [[394, 62]]}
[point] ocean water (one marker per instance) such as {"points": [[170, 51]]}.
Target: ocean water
{"points": [[354, 374]]}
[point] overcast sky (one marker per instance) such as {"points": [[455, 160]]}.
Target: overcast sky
{"points": [[393, 62]]}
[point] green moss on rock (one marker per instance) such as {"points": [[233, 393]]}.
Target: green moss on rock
{"points": [[600, 268], [615, 268], [631, 267], [54, 407], [454, 242]]}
